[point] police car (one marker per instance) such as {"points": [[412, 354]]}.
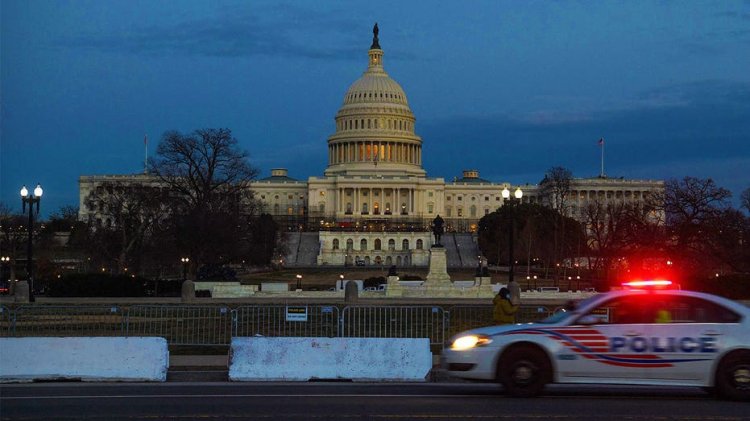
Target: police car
{"points": [[640, 336]]}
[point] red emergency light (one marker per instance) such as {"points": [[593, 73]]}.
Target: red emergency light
{"points": [[648, 283]]}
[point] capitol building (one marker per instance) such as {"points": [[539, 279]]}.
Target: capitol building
{"points": [[374, 203]]}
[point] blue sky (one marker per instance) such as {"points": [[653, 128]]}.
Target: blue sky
{"points": [[510, 88]]}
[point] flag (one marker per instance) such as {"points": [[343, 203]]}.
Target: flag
{"points": [[600, 142]]}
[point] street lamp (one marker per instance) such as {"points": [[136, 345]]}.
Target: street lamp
{"points": [[31, 200], [299, 281], [185, 261], [6, 260], [512, 202]]}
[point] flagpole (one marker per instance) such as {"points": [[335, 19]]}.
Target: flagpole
{"points": [[145, 162], [602, 174]]}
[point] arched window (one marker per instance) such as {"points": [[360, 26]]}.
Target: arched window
{"points": [[419, 244], [377, 244], [335, 243], [398, 260], [473, 210], [405, 245], [391, 244], [388, 261], [363, 245], [350, 244]]}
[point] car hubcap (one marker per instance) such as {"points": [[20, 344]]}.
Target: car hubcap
{"points": [[523, 373], [741, 377]]}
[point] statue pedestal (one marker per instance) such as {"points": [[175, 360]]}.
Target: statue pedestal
{"points": [[394, 288], [438, 274]]}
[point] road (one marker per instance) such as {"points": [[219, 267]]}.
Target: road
{"points": [[348, 401]]}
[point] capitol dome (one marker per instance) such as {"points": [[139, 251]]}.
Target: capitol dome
{"points": [[375, 126]]}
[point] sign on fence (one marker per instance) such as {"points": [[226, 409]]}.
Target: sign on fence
{"points": [[296, 313]]}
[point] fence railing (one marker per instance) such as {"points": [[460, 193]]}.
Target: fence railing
{"points": [[34, 320], [5, 321], [181, 325], [394, 322], [286, 320], [216, 325]]}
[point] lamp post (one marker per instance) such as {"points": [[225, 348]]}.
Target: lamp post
{"points": [[515, 290], [31, 200], [6, 260], [299, 281], [185, 261]]}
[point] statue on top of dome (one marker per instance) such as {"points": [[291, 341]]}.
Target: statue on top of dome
{"points": [[375, 44]]}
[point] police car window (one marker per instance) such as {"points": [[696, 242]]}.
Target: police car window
{"points": [[683, 309], [622, 310]]}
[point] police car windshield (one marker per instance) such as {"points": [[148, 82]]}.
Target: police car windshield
{"points": [[557, 317], [569, 309]]}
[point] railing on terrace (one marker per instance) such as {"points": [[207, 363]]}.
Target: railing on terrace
{"points": [[216, 325]]}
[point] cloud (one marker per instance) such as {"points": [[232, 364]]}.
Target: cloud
{"points": [[236, 32], [677, 125]]}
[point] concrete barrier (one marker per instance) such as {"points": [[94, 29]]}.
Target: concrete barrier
{"points": [[356, 359], [85, 359]]}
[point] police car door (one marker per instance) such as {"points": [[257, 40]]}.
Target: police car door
{"points": [[687, 334], [600, 343]]}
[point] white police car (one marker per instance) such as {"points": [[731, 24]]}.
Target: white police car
{"points": [[636, 337]]}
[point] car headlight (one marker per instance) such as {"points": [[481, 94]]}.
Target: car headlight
{"points": [[470, 341]]}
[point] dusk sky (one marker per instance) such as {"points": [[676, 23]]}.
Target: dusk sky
{"points": [[510, 88]]}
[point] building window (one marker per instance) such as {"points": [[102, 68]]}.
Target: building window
{"points": [[363, 245], [419, 244], [335, 243], [350, 244], [290, 197], [405, 245], [289, 211], [377, 244], [460, 212], [391, 244]]}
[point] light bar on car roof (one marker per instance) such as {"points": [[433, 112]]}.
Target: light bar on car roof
{"points": [[648, 283]]}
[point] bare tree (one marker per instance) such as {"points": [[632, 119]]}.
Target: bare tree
{"points": [[128, 213], [210, 178], [745, 199], [555, 189]]}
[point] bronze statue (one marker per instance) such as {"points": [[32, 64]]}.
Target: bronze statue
{"points": [[437, 230], [375, 43]]}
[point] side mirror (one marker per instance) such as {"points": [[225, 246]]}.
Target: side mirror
{"points": [[589, 319]]}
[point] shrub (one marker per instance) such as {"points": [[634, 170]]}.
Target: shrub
{"points": [[97, 285]]}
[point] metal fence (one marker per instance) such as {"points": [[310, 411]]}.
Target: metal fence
{"points": [[216, 325], [5, 321], [394, 322], [181, 325], [286, 320], [68, 321]]}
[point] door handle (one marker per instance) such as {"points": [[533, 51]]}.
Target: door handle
{"points": [[632, 333], [712, 333]]}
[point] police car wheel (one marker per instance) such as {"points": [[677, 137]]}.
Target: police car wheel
{"points": [[733, 377], [524, 371]]}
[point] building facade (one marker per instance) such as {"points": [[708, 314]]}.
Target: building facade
{"points": [[374, 203]]}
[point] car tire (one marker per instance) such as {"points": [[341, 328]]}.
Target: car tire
{"points": [[524, 371], [733, 376]]}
